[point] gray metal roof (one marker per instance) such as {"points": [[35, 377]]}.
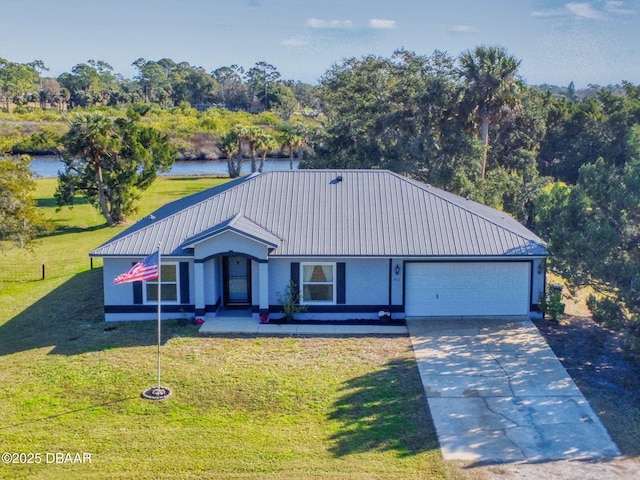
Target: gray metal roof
{"points": [[312, 213]]}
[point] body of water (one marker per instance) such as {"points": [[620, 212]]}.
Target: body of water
{"points": [[48, 166]]}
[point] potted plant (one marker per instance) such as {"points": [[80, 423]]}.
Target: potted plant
{"points": [[384, 315]]}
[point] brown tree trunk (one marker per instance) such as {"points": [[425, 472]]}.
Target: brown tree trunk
{"points": [[262, 160], [484, 135], [101, 197]]}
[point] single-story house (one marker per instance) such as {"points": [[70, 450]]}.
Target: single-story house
{"points": [[354, 242]]}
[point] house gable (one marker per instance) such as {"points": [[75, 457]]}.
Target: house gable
{"points": [[237, 234]]}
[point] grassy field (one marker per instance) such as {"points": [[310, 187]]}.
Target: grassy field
{"points": [[242, 407]]}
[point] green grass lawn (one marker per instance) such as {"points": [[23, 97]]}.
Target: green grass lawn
{"points": [[242, 407]]}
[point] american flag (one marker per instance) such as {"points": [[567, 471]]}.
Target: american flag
{"points": [[142, 271]]}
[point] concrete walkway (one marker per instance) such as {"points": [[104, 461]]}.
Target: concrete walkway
{"points": [[249, 326], [497, 393]]}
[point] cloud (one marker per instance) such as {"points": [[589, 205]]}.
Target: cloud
{"points": [[319, 23], [373, 24], [617, 8], [584, 10], [382, 24], [295, 42], [463, 29], [550, 12]]}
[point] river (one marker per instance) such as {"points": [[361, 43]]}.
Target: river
{"points": [[48, 166]]}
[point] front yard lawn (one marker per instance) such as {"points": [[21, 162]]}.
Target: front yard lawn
{"points": [[242, 407], [245, 407]]}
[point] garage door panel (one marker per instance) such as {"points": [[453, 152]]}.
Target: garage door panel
{"points": [[466, 289]]}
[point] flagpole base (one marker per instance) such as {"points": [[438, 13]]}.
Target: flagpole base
{"points": [[156, 393]]}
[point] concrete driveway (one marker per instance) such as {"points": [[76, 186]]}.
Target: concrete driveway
{"points": [[497, 393]]}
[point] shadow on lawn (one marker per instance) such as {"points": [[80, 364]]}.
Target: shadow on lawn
{"points": [[61, 229], [385, 410], [70, 319]]}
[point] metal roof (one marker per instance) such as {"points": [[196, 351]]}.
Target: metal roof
{"points": [[332, 213]]}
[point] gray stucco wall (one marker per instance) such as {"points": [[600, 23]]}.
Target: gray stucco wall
{"points": [[366, 280]]}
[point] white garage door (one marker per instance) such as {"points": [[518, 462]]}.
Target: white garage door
{"points": [[469, 289]]}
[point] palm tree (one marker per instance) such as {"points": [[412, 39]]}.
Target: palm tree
{"points": [[229, 145], [251, 135], [492, 85], [265, 143], [293, 139]]}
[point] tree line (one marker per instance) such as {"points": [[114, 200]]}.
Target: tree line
{"points": [[568, 168], [163, 82]]}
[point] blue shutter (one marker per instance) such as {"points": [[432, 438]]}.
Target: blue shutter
{"points": [[137, 290], [137, 293], [295, 274], [341, 294], [184, 282]]}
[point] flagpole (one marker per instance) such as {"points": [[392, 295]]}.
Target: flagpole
{"points": [[149, 268], [159, 307]]}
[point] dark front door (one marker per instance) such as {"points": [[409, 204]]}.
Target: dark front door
{"points": [[237, 280]]}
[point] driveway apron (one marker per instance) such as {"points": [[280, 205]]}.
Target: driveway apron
{"points": [[498, 393]]}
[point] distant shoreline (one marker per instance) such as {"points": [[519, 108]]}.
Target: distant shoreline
{"points": [[48, 166]]}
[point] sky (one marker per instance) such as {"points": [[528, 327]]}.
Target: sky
{"points": [[588, 42]]}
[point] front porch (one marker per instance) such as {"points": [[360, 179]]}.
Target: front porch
{"points": [[231, 266]]}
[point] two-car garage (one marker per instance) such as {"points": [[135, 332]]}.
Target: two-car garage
{"points": [[442, 289]]}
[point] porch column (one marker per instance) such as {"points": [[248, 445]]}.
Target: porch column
{"points": [[263, 285], [199, 288]]}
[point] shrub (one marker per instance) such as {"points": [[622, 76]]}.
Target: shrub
{"points": [[611, 314], [633, 347], [606, 312], [551, 302], [44, 141], [290, 301]]}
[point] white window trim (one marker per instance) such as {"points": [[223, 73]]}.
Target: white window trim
{"points": [[302, 283], [164, 301]]}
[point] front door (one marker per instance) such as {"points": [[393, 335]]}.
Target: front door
{"points": [[237, 280]]}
